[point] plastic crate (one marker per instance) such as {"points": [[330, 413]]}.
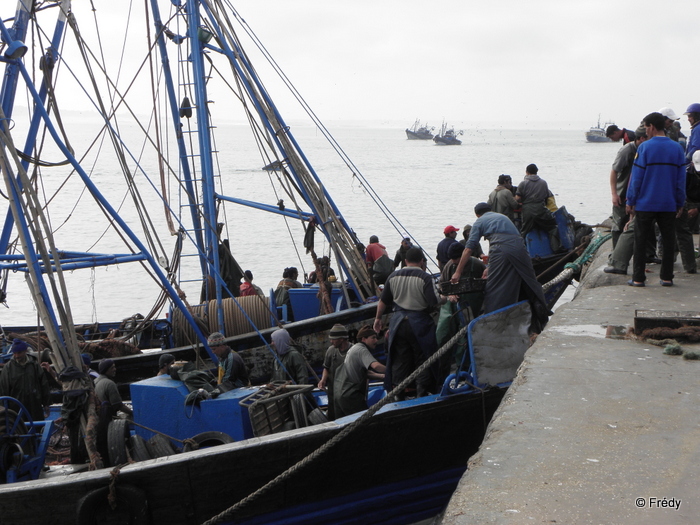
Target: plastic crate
{"points": [[270, 407]]}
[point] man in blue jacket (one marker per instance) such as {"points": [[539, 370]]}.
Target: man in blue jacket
{"points": [[656, 191]]}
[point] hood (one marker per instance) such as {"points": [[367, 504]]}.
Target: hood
{"points": [[282, 340], [530, 176]]}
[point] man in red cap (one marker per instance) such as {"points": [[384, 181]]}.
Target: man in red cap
{"points": [[444, 245]]}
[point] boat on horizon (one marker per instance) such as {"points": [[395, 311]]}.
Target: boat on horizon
{"points": [[419, 132], [597, 133], [448, 136]]}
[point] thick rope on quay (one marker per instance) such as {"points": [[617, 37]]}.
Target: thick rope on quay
{"points": [[228, 513]]}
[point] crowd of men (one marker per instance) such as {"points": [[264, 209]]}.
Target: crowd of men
{"points": [[655, 193]]}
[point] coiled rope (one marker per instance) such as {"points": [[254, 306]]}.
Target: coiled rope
{"points": [[228, 513]]}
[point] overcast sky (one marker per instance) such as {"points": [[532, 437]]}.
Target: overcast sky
{"points": [[502, 63]]}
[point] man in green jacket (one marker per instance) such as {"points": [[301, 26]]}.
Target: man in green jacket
{"points": [[24, 379]]}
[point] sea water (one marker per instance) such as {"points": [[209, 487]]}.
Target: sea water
{"points": [[426, 187]]}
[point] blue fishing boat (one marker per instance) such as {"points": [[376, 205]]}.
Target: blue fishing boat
{"points": [[447, 136]]}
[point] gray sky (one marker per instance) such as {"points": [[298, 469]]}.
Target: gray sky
{"points": [[484, 63], [480, 64]]}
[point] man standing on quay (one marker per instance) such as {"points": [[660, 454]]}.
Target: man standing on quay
{"points": [[656, 191]]}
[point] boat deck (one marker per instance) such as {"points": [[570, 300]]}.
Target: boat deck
{"points": [[595, 429]]}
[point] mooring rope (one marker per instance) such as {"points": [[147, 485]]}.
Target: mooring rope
{"points": [[340, 436], [575, 267]]}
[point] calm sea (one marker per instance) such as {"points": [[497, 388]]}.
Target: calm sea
{"points": [[426, 187]]}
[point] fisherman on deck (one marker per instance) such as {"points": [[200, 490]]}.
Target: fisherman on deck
{"points": [[400, 257], [289, 280], [533, 193], [232, 370], [24, 379], [335, 356], [110, 402], [164, 363], [290, 363], [443, 246], [502, 199], [248, 288], [350, 384], [411, 291], [511, 277]]}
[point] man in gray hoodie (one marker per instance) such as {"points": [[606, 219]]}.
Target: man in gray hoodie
{"points": [[533, 193]]}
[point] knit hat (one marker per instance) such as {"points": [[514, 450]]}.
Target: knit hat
{"points": [[481, 208], [165, 360], [365, 332], [19, 346], [215, 339], [105, 365], [338, 332], [455, 250]]}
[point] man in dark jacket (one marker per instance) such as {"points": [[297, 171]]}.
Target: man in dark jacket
{"points": [[24, 379]]}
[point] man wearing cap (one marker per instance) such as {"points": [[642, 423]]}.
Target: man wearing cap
{"points": [[511, 277], [164, 363], [411, 340], [335, 355], [232, 369], [656, 192], [502, 200], [533, 193], [400, 257], [350, 384], [110, 402], [672, 128], [616, 134], [24, 379], [444, 245]]}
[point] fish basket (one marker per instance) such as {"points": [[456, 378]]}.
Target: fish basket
{"points": [[270, 408], [465, 285]]}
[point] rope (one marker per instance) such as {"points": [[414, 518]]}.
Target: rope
{"points": [[228, 513], [572, 268]]}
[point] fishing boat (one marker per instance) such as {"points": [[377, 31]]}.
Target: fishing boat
{"points": [[447, 136], [597, 133], [419, 132], [438, 432]]}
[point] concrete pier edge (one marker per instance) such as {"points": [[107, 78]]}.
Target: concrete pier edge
{"points": [[594, 429]]}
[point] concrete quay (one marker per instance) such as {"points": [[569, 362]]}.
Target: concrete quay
{"points": [[594, 430]]}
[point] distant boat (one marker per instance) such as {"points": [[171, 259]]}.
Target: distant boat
{"points": [[447, 136], [597, 133], [418, 132]]}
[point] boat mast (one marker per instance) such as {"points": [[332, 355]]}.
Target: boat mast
{"points": [[29, 222], [327, 215]]}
